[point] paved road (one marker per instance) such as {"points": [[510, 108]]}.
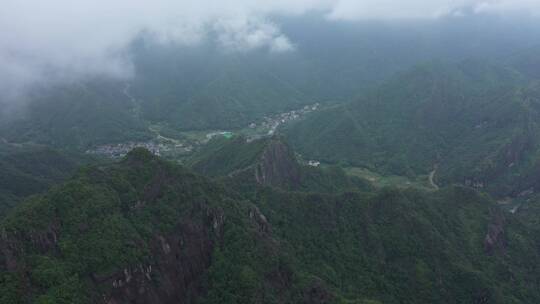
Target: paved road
{"points": [[431, 177]]}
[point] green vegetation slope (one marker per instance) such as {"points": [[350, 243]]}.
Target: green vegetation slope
{"points": [[148, 231], [475, 122]]}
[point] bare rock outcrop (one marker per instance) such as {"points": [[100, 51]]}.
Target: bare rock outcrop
{"points": [[277, 166]]}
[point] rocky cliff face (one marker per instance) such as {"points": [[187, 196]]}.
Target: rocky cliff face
{"points": [[277, 166], [178, 264], [266, 162], [171, 272]]}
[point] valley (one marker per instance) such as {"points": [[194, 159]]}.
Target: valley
{"points": [[186, 142], [270, 153]]}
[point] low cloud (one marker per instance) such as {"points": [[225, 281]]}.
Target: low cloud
{"points": [[244, 34], [426, 9], [529, 7], [59, 40]]}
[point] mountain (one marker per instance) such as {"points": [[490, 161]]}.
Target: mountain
{"points": [[146, 230], [476, 123], [203, 88], [268, 162], [527, 61], [502, 153], [208, 87], [76, 116], [28, 170], [142, 231], [406, 246]]}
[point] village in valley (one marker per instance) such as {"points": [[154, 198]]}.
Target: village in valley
{"points": [[176, 148], [157, 148], [272, 123]]}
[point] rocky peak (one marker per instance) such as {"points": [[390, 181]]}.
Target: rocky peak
{"points": [[277, 166]]}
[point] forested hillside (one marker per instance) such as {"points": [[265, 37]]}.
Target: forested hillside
{"points": [[246, 165], [76, 116], [148, 231], [28, 170], [475, 122]]}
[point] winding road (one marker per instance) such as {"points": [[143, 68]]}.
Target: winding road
{"points": [[432, 176]]}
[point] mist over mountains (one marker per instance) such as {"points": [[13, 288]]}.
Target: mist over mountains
{"points": [[328, 61], [67, 41], [349, 152]]}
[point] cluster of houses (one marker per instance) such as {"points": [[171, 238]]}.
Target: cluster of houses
{"points": [[314, 163], [158, 146], [272, 123], [161, 145], [120, 150]]}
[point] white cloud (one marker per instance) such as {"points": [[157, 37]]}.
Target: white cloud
{"points": [[281, 44], [77, 38], [389, 9], [425, 9], [244, 34], [531, 7]]}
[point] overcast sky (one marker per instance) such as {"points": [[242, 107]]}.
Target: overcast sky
{"points": [[55, 40]]}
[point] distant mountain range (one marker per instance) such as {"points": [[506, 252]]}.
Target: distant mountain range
{"points": [[204, 87]]}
